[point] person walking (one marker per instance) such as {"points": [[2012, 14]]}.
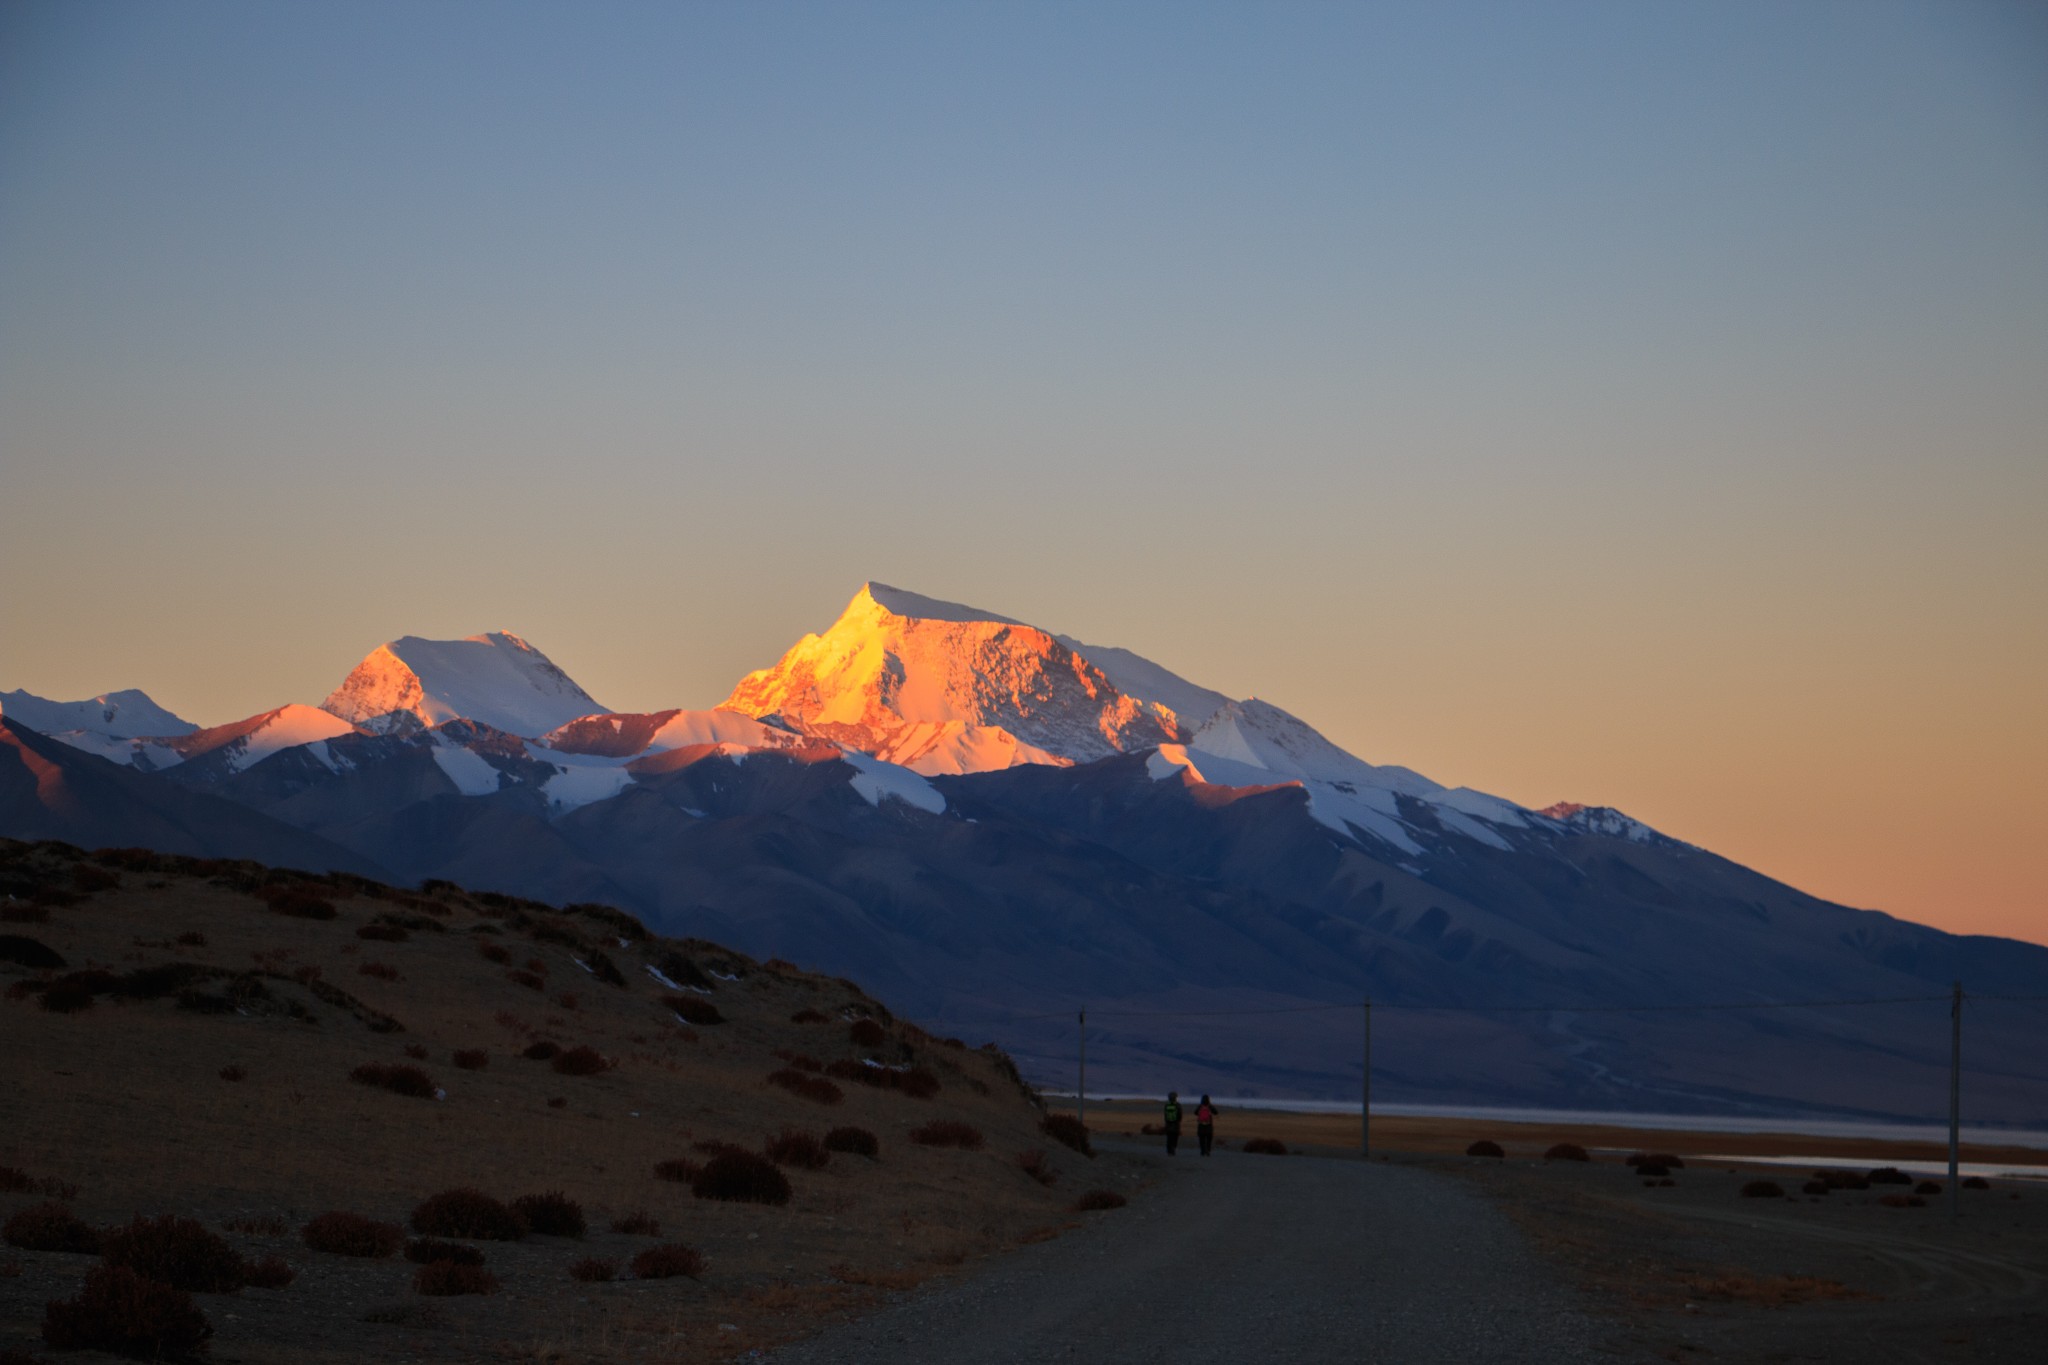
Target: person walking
{"points": [[1205, 1124], [1172, 1118]]}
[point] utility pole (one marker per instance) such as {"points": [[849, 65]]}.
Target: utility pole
{"points": [[1955, 1096], [1365, 1090], [1081, 1090]]}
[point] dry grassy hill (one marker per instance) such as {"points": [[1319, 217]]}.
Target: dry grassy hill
{"points": [[251, 1048]]}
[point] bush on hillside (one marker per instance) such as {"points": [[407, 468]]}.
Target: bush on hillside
{"points": [[409, 1081], [948, 1133], [469, 1213], [119, 1311], [1567, 1151], [296, 902], [50, 1227], [741, 1177], [1068, 1131], [471, 1058], [1096, 1200], [552, 1214], [594, 1270], [1976, 1182], [1902, 1201], [427, 1250], [816, 1089], [1485, 1147], [234, 1073], [807, 1016], [668, 1262], [339, 1233], [679, 1169], [1664, 1159], [1889, 1175], [383, 971], [691, 1010], [637, 1224], [180, 1252], [1928, 1187], [1266, 1147], [540, 1050], [866, 1033], [1037, 1165], [856, 1141], [1763, 1189], [580, 1060], [794, 1147], [272, 1272]]}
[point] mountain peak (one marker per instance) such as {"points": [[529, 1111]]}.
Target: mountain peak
{"points": [[941, 688], [127, 714], [496, 678]]}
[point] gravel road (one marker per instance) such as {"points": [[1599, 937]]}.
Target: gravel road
{"points": [[1246, 1258]]}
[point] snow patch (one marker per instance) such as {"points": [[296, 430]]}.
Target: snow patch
{"points": [[876, 780], [467, 770]]}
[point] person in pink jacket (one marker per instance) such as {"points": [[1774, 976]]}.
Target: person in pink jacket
{"points": [[1205, 1124]]}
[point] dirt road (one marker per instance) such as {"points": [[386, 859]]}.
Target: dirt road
{"points": [[1247, 1258]]}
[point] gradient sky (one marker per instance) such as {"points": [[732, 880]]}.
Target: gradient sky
{"points": [[1642, 404]]}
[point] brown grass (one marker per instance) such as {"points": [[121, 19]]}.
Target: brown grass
{"points": [[796, 1148], [948, 1133], [1068, 1131], [118, 1310], [383, 971], [50, 1227], [1035, 1164], [180, 1252], [816, 1089], [668, 1262], [466, 1212]]}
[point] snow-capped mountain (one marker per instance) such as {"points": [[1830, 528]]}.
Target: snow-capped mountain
{"points": [[237, 745], [496, 679], [941, 688], [119, 715]]}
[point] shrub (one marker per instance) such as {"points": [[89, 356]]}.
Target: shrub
{"points": [[1815, 1187], [118, 1310], [854, 1141], [799, 1060], [594, 1270], [50, 1227], [1266, 1147], [1664, 1159], [350, 1234], [14, 1180], [1976, 1182], [471, 1058], [446, 1279], [691, 1010], [866, 1033], [258, 1225], [741, 1177], [68, 995], [667, 1262], [531, 980], [409, 1081], [637, 1224], [540, 1051], [1843, 1180], [467, 1212], [233, 1073], [915, 1082], [297, 902], [191, 938], [680, 1169], [1096, 1200], [948, 1133], [416, 1051], [580, 1060], [816, 1089], [383, 933], [807, 1016], [1035, 1164], [180, 1252], [493, 952], [1902, 1201], [1928, 1187], [427, 1250], [272, 1272], [794, 1147], [552, 1214], [88, 879], [1567, 1151], [1763, 1189], [1068, 1131], [557, 1102], [31, 953], [1484, 1147], [383, 971], [1653, 1168], [1889, 1175]]}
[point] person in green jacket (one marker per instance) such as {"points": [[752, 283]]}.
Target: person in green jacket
{"points": [[1172, 1119]]}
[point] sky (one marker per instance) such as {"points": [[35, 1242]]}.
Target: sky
{"points": [[1642, 405]]}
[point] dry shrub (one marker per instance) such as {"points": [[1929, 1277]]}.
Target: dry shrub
{"points": [[118, 1310], [1037, 1165], [31, 953], [467, 1212], [1815, 1187], [816, 1089], [1770, 1291], [1485, 1147], [191, 938], [409, 1081], [794, 1147], [1889, 1175], [180, 1252], [493, 952], [800, 1061], [446, 1279], [1096, 1200], [915, 1082], [1068, 1131], [1928, 1187], [594, 1270], [67, 996], [679, 1169], [1266, 1147], [581, 1060], [741, 1177], [383, 933], [1902, 1201], [471, 1058], [1976, 1182], [427, 1250], [637, 1224], [383, 971], [1665, 1159], [529, 979], [50, 1227], [667, 1262], [691, 1010], [948, 1133], [272, 1272], [1652, 1168], [14, 1180], [855, 1141], [296, 902], [258, 1225], [807, 1016], [1843, 1180], [552, 1214], [89, 879], [557, 1102], [350, 1234], [540, 1051], [234, 1073], [1763, 1189], [416, 1051], [866, 1033], [569, 1000], [1567, 1151]]}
